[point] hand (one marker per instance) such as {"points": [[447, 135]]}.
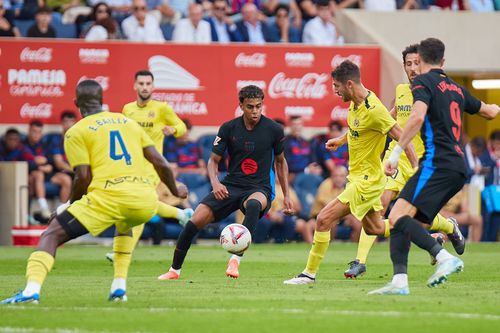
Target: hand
{"points": [[168, 130], [389, 168], [288, 206], [40, 160], [182, 191], [47, 168], [334, 144], [220, 191]]}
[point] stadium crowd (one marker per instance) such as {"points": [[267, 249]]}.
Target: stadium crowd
{"points": [[316, 175], [201, 21]]}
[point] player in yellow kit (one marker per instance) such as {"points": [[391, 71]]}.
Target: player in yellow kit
{"points": [[108, 154], [158, 120], [401, 112], [369, 124]]}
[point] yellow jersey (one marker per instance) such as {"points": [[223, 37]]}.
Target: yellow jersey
{"points": [[368, 124], [403, 104], [112, 145], [153, 117]]}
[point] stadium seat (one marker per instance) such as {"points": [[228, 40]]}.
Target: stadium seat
{"points": [[206, 142], [23, 26], [167, 30], [193, 180], [64, 30], [306, 186]]}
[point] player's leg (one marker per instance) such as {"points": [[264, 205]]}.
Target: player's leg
{"points": [[61, 229], [168, 211], [253, 205], [203, 215], [450, 227], [123, 246], [330, 214]]}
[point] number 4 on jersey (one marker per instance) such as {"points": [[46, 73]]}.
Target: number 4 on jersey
{"points": [[115, 139]]}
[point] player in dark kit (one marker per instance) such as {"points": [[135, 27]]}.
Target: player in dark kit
{"points": [[437, 110], [254, 144]]}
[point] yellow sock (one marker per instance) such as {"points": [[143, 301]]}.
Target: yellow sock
{"points": [[122, 248], [320, 244], [167, 211], [387, 231], [440, 223], [136, 235], [39, 265], [364, 245]]}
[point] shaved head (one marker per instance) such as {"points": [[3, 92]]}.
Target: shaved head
{"points": [[89, 97]]}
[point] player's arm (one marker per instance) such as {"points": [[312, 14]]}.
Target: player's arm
{"points": [[417, 117], [489, 111], [81, 182], [334, 143], [164, 171], [282, 171], [173, 124], [395, 134], [219, 190]]}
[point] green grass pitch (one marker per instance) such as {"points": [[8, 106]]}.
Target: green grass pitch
{"points": [[74, 297]]}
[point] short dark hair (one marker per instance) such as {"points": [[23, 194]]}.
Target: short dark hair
{"points": [[413, 48], [335, 123], [431, 50], [36, 123], [495, 135], [43, 10], [250, 91], [282, 6], [292, 118], [188, 123], [143, 72], [322, 3], [68, 114], [478, 142], [347, 70], [11, 131]]}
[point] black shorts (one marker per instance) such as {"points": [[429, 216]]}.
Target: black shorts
{"points": [[430, 189], [237, 196]]}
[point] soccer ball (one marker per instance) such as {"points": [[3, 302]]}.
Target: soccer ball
{"points": [[235, 238]]}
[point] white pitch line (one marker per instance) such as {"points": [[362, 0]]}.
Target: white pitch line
{"points": [[357, 313]]}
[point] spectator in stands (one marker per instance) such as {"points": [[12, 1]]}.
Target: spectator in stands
{"points": [[380, 5], [140, 26], [28, 9], [7, 26], [479, 163], [281, 30], [329, 159], [237, 5], [341, 4], [494, 147], [458, 207], [223, 29], [413, 4], [322, 30], [186, 154], [451, 4], [280, 227], [102, 25], [56, 147], [329, 189], [270, 7], [120, 8], [42, 27], [181, 8], [250, 28], [193, 29], [481, 5], [162, 11], [298, 151]]}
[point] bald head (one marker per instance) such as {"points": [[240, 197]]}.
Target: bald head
{"points": [[89, 97]]}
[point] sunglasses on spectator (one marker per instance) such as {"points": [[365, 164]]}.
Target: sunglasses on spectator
{"points": [[99, 11], [139, 8]]}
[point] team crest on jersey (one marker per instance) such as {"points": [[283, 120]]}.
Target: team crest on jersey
{"points": [[151, 114], [356, 122], [216, 141]]}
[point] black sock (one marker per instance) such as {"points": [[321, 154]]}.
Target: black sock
{"points": [[400, 247], [183, 244], [252, 211], [419, 235]]}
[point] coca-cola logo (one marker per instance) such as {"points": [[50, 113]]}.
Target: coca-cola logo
{"points": [[299, 59], [93, 56], [310, 86], [43, 54], [338, 59], [102, 80], [42, 110], [256, 60]]}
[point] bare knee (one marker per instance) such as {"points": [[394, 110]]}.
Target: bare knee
{"points": [[52, 237], [322, 223], [202, 216]]}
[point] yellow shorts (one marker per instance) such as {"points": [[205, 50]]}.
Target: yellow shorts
{"points": [[361, 201], [98, 211], [397, 181]]}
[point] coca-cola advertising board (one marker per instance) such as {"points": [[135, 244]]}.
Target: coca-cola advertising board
{"points": [[38, 78]]}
